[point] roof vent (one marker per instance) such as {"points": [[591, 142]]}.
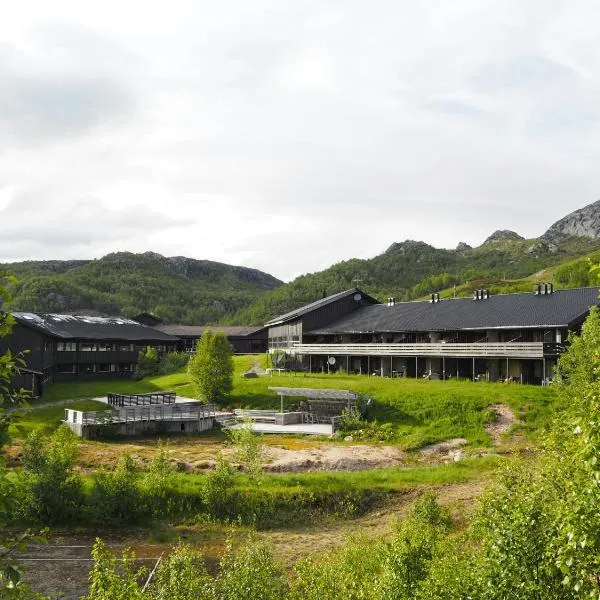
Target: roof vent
{"points": [[481, 294], [544, 289], [391, 301]]}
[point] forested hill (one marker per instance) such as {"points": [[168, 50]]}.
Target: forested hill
{"points": [[410, 270], [177, 289]]}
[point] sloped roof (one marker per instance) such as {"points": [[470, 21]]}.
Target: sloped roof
{"points": [[91, 328], [507, 311], [198, 330], [315, 305]]}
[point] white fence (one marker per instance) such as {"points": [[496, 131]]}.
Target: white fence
{"points": [[497, 350], [165, 412]]}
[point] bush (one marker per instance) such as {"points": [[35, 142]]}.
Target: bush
{"points": [[50, 491], [172, 362], [115, 498], [147, 363]]}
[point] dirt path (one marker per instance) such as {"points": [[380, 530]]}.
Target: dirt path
{"points": [[505, 418]]}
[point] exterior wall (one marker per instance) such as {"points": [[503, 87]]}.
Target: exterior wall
{"points": [[293, 331], [137, 428]]}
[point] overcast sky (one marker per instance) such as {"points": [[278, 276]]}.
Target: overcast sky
{"points": [[289, 135]]}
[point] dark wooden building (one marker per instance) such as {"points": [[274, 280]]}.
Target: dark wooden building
{"points": [[245, 340], [71, 347], [514, 337]]}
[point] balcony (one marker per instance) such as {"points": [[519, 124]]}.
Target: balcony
{"points": [[477, 350]]}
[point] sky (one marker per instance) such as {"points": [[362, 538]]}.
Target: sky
{"points": [[289, 135]]}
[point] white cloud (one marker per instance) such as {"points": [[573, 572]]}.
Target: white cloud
{"points": [[287, 135]]}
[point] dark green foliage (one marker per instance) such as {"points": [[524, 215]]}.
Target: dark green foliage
{"points": [[115, 498], [410, 269], [147, 363], [51, 492], [178, 290], [172, 362]]}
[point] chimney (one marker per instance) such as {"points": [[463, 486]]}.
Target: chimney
{"points": [[486, 294], [392, 301], [538, 289], [551, 288], [437, 296], [432, 299]]}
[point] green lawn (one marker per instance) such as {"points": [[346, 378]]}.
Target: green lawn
{"points": [[420, 411]]}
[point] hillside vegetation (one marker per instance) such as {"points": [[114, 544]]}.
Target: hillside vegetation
{"points": [[410, 270], [178, 289]]}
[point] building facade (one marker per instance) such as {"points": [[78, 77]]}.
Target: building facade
{"points": [[244, 340], [68, 347], [509, 337]]}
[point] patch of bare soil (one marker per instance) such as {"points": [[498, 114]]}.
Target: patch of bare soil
{"points": [[333, 458], [505, 418]]}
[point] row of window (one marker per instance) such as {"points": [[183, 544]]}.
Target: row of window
{"points": [[99, 347], [95, 368]]}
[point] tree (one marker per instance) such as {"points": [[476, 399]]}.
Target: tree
{"points": [[147, 363], [11, 584], [211, 367]]}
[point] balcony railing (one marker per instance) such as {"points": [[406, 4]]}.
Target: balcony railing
{"points": [[490, 350]]}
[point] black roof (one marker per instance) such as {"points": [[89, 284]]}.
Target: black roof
{"points": [[78, 327], [508, 311], [294, 314], [198, 330]]}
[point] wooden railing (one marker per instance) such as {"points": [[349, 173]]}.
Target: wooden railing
{"points": [[156, 412], [455, 350]]}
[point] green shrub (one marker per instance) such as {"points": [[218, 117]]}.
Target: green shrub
{"points": [[172, 362], [50, 491], [115, 497]]}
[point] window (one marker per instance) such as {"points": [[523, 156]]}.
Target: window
{"points": [[66, 346], [125, 347], [103, 347], [48, 346], [103, 368], [87, 368], [87, 347], [66, 368]]}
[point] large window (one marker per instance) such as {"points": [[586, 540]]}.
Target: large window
{"points": [[66, 346], [104, 347], [125, 347], [103, 368], [71, 368], [87, 347]]}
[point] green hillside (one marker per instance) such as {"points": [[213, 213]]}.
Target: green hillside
{"points": [[411, 270], [177, 289]]}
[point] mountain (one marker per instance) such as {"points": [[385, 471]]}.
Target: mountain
{"points": [[411, 269], [176, 289], [502, 235], [584, 222]]}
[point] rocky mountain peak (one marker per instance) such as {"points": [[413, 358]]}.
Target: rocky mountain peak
{"points": [[584, 222], [503, 235]]}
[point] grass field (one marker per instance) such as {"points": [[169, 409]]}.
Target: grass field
{"points": [[420, 411]]}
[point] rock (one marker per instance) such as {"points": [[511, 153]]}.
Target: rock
{"points": [[502, 235], [584, 222], [250, 375], [462, 246], [457, 456], [348, 438]]}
